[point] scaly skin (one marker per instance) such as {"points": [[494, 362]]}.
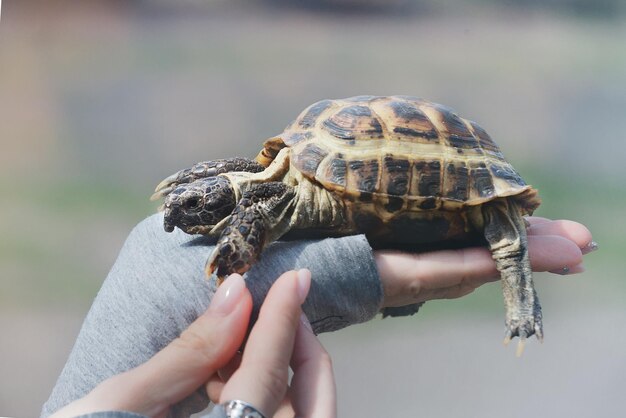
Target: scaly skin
{"points": [[198, 206], [204, 170], [505, 231], [258, 219]]}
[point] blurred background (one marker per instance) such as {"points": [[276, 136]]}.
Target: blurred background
{"points": [[99, 100]]}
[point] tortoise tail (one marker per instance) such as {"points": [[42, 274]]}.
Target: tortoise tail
{"points": [[271, 147]]}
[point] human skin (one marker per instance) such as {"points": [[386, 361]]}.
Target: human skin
{"points": [[554, 246]]}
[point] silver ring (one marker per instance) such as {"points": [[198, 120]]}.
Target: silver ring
{"points": [[241, 409]]}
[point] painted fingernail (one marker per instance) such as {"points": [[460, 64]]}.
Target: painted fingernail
{"points": [[304, 284], [562, 271], [305, 322], [228, 295], [591, 247], [579, 268]]}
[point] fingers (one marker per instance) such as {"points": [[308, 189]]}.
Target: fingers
{"points": [[214, 388], [216, 383], [313, 391], [411, 278], [181, 367], [573, 231], [261, 380], [552, 252]]}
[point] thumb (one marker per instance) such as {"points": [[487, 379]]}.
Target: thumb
{"points": [[186, 363]]}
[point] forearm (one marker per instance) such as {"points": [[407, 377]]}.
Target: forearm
{"points": [[157, 288]]}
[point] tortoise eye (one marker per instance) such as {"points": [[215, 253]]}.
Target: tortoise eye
{"points": [[192, 203]]}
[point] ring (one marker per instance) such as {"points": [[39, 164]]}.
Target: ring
{"points": [[241, 409]]}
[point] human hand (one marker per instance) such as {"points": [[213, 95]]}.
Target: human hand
{"points": [[260, 376], [211, 342], [554, 246]]}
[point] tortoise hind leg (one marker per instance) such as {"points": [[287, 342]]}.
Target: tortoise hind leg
{"points": [[505, 231], [203, 170]]}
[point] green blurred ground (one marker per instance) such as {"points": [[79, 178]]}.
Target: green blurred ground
{"points": [[99, 103]]}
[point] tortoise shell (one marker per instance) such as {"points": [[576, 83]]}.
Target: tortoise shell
{"points": [[420, 154]]}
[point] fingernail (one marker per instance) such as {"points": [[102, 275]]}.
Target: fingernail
{"points": [[228, 295], [579, 268], [304, 284], [305, 322], [591, 247]]}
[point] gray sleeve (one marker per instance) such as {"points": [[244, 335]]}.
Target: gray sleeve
{"points": [[217, 412], [157, 287], [116, 414]]}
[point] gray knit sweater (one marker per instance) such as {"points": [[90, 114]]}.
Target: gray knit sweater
{"points": [[157, 288]]}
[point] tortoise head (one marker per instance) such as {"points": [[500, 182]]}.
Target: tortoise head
{"points": [[196, 207]]}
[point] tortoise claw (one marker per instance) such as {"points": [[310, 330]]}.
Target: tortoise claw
{"points": [[227, 258], [520, 347], [507, 337], [211, 265], [161, 193], [166, 186], [167, 182], [523, 328]]}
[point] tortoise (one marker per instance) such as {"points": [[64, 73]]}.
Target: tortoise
{"points": [[400, 169]]}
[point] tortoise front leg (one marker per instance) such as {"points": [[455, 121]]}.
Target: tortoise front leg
{"points": [[505, 231], [203, 170], [263, 215]]}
